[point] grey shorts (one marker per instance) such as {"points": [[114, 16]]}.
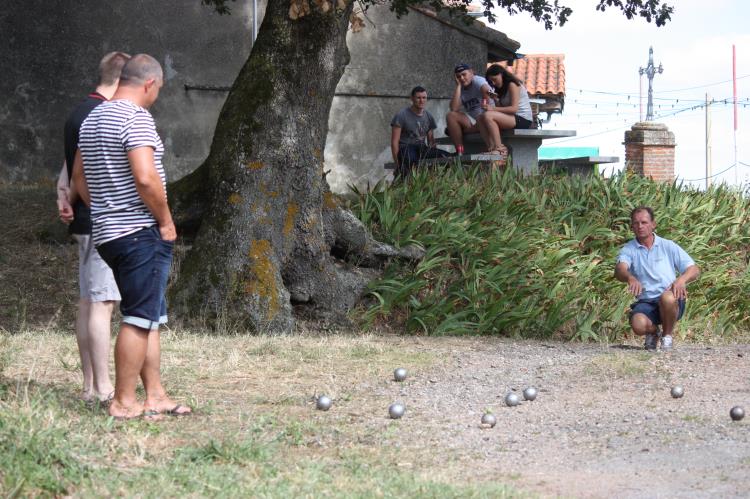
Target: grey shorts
{"points": [[94, 276]]}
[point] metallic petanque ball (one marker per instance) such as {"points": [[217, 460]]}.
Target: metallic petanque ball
{"points": [[399, 374], [489, 420], [530, 393], [395, 411], [737, 413], [677, 391], [323, 403], [512, 400]]}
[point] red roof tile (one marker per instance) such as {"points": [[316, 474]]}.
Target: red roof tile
{"points": [[543, 74]]}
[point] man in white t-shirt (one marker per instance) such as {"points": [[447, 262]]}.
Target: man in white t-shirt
{"points": [[98, 292], [118, 172], [472, 93]]}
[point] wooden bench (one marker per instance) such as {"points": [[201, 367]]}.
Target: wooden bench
{"points": [[522, 144], [580, 165]]}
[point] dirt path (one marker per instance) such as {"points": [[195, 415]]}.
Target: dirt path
{"points": [[604, 424]]}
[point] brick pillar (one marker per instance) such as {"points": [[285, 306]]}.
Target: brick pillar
{"points": [[649, 151]]}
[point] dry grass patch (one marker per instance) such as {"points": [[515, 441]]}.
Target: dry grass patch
{"points": [[630, 364], [255, 430], [37, 261]]}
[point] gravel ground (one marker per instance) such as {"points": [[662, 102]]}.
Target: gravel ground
{"points": [[604, 423]]}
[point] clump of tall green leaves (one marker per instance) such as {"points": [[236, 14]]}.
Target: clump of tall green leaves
{"points": [[534, 256]]}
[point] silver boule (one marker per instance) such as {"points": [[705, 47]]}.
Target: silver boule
{"points": [[323, 403], [399, 374], [677, 391], [530, 393], [737, 413], [512, 400], [395, 411], [489, 420]]}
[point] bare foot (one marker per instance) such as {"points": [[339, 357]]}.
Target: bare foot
{"points": [[122, 412]]}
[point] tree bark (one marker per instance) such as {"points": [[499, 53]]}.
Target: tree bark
{"points": [[261, 200]]}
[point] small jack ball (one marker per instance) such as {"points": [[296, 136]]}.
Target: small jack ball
{"points": [[737, 413], [530, 393], [395, 411], [489, 420], [512, 400], [677, 392], [323, 403], [399, 374]]}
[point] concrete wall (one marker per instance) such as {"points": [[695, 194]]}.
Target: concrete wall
{"points": [[50, 55], [387, 61], [52, 49]]}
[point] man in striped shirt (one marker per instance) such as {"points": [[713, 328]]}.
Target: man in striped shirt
{"points": [[118, 172]]}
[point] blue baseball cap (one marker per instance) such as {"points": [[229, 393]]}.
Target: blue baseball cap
{"points": [[461, 67]]}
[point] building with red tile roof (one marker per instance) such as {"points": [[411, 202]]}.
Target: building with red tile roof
{"points": [[544, 78]]}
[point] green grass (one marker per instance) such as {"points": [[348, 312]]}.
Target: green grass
{"points": [[534, 256]]}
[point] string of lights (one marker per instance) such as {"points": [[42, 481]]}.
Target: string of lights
{"points": [[659, 92], [715, 174], [743, 102], [727, 100], [628, 117], [623, 127]]}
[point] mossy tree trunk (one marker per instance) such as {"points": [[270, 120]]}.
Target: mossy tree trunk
{"points": [[260, 200]]}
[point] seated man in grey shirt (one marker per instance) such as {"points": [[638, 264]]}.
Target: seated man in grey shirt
{"points": [[412, 139]]}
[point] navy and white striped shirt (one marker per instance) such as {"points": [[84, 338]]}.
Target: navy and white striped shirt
{"points": [[111, 130]]}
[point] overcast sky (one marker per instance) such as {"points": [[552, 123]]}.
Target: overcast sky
{"points": [[603, 52]]}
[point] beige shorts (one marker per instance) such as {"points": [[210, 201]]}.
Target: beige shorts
{"points": [[94, 276]]}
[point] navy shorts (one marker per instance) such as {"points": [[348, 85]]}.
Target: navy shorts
{"points": [[140, 263], [650, 308]]}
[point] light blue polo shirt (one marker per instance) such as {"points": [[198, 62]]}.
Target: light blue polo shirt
{"points": [[654, 268]]}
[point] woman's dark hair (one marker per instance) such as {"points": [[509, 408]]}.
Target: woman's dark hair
{"points": [[497, 69]]}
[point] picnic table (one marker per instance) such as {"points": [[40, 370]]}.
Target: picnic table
{"points": [[523, 145]]}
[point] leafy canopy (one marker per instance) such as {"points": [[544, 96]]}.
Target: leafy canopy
{"points": [[550, 12]]}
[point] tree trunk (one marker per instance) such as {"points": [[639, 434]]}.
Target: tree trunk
{"points": [[261, 198]]}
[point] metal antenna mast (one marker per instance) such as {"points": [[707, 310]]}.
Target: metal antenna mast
{"points": [[650, 71]]}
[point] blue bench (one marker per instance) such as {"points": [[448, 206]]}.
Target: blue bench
{"points": [[580, 165]]}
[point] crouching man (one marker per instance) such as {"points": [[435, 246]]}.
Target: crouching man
{"points": [[648, 264]]}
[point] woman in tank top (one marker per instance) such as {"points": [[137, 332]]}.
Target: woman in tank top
{"points": [[510, 107]]}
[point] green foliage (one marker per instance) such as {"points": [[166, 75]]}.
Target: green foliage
{"points": [[534, 256], [544, 11], [550, 13]]}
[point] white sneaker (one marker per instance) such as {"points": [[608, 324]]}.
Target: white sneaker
{"points": [[666, 343]]}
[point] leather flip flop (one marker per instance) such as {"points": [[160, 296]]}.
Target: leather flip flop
{"points": [[175, 411]]}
